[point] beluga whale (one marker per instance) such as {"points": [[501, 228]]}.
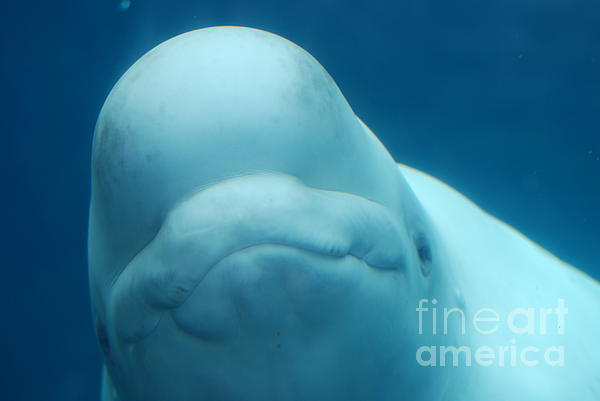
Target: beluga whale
{"points": [[250, 239]]}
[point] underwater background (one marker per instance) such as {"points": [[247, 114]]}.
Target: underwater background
{"points": [[499, 99]]}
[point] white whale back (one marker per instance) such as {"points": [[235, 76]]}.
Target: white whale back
{"points": [[497, 267]]}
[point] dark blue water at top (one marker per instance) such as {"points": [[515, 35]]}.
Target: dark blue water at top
{"points": [[498, 99]]}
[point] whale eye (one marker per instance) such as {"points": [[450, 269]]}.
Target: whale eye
{"points": [[424, 252]]}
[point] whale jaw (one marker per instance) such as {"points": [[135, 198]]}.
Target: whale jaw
{"points": [[220, 292]]}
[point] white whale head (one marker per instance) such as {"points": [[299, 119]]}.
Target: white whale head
{"points": [[250, 239]]}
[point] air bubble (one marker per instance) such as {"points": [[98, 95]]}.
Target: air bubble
{"points": [[124, 5]]}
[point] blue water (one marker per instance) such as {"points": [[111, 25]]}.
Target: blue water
{"points": [[498, 99]]}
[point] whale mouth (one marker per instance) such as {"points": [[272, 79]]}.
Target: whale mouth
{"points": [[243, 213]]}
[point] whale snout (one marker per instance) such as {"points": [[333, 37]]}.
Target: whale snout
{"points": [[255, 265], [250, 242], [263, 288]]}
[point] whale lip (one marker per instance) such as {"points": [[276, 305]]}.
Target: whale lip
{"points": [[273, 209], [311, 286], [247, 211]]}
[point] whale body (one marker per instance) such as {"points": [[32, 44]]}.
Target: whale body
{"points": [[251, 239]]}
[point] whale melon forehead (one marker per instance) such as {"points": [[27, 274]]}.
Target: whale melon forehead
{"points": [[217, 103], [222, 101], [212, 104]]}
